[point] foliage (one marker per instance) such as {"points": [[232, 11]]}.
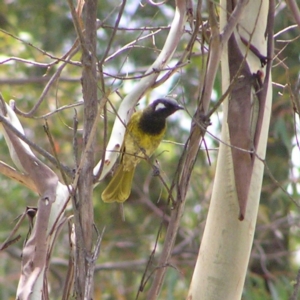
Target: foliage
{"points": [[37, 32]]}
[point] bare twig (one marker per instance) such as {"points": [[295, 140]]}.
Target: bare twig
{"points": [[6, 243], [294, 296], [122, 6], [294, 9], [46, 89], [34, 146], [58, 162], [91, 262]]}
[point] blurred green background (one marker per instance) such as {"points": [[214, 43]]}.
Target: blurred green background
{"points": [[32, 31]]}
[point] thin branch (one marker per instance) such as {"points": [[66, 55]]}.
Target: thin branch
{"points": [[57, 59], [41, 79], [294, 296], [58, 162], [53, 79], [294, 9], [91, 265], [114, 32], [14, 230], [34, 146]]}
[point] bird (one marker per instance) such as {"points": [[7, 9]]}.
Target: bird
{"points": [[143, 134]]}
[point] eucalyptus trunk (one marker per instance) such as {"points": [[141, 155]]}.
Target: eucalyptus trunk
{"points": [[223, 257]]}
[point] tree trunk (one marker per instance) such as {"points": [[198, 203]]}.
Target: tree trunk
{"points": [[226, 244], [84, 215]]}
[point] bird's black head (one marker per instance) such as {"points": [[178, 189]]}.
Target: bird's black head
{"points": [[153, 118], [164, 107]]}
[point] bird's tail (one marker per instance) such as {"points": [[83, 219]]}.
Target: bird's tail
{"points": [[119, 187]]}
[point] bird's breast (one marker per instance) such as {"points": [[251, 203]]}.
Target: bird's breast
{"points": [[138, 143]]}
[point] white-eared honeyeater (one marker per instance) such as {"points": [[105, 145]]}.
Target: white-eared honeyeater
{"points": [[144, 133]]}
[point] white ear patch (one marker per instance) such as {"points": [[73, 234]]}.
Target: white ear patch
{"points": [[160, 106]]}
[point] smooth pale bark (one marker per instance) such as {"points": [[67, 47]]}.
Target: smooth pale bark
{"points": [[223, 257], [53, 198]]}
